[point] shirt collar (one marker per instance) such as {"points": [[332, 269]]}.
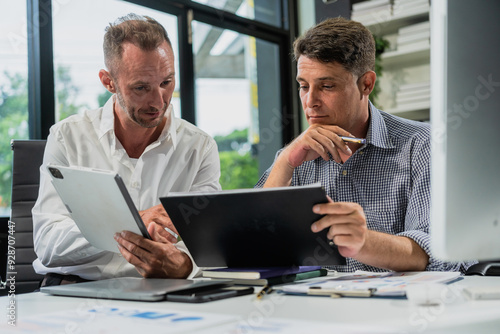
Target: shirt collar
{"points": [[107, 117], [108, 125], [170, 129], [377, 131]]}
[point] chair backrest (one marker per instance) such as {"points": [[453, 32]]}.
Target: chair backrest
{"points": [[27, 159]]}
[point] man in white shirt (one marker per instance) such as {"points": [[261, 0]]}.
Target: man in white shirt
{"points": [[136, 135]]}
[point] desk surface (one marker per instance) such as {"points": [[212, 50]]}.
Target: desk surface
{"points": [[455, 314]]}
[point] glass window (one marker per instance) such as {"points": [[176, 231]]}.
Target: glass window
{"points": [[13, 92], [238, 101], [265, 11], [78, 31]]}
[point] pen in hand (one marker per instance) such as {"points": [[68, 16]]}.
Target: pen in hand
{"points": [[175, 235], [353, 140]]}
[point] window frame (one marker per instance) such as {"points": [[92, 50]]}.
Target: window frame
{"points": [[41, 66]]}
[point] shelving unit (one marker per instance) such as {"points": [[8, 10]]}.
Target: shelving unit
{"points": [[403, 67], [418, 112], [391, 26], [393, 59]]}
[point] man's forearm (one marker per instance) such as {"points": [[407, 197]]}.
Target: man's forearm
{"points": [[281, 174], [393, 253]]}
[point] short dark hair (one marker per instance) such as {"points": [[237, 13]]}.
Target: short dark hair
{"points": [[346, 42], [142, 31]]}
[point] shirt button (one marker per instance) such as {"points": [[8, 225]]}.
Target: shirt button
{"points": [[344, 172], [135, 185]]}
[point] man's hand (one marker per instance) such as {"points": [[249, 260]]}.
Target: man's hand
{"points": [[317, 141], [158, 215], [154, 258], [346, 223]]}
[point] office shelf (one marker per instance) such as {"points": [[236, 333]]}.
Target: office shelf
{"points": [[407, 57], [408, 64], [416, 113], [392, 25]]}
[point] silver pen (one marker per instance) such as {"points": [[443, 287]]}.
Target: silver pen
{"points": [[175, 235], [353, 140]]}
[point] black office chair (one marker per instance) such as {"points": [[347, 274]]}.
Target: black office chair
{"points": [[27, 158], [484, 268]]}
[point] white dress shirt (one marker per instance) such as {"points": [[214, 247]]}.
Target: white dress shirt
{"points": [[184, 158]]}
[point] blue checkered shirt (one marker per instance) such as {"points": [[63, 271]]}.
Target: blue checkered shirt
{"points": [[389, 177]]}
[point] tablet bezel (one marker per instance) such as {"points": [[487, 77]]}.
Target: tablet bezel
{"points": [[273, 228], [99, 203]]}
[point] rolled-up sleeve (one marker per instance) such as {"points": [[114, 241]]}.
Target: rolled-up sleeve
{"points": [[417, 220]]}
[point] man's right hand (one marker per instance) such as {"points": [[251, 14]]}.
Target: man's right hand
{"points": [[317, 141]]}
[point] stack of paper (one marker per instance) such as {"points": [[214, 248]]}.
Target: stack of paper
{"points": [[377, 11], [371, 12], [413, 96], [384, 284], [402, 8], [414, 37]]}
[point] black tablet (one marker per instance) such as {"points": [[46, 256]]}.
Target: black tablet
{"points": [[252, 227], [207, 294]]}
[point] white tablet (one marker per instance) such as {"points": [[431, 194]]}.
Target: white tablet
{"points": [[98, 202]]}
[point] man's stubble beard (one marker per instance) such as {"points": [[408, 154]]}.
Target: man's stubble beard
{"points": [[131, 112]]}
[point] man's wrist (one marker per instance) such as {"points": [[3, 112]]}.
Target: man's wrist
{"points": [[280, 175], [188, 265], [284, 163]]}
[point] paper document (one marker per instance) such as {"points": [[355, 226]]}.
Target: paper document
{"points": [[383, 284], [121, 320], [292, 326]]}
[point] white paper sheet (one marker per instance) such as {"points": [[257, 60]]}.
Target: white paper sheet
{"points": [[121, 320], [387, 284]]}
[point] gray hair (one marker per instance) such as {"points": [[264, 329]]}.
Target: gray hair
{"points": [[142, 31]]}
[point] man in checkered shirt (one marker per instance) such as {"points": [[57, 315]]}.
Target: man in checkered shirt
{"points": [[380, 190]]}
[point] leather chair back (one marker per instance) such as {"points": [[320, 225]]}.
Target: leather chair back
{"points": [[27, 159]]}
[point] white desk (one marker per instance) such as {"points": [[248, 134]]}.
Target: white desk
{"points": [[456, 314]]}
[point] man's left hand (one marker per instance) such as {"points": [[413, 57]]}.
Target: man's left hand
{"points": [[159, 216], [346, 223], [154, 258]]}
